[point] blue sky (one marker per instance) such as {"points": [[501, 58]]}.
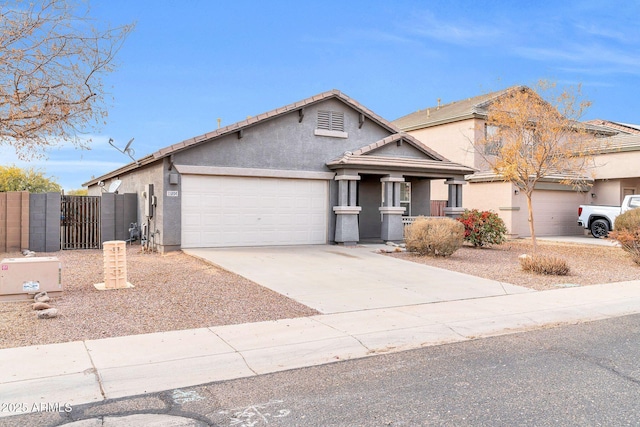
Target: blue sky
{"points": [[190, 62]]}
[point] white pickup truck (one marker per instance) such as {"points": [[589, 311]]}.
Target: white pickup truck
{"points": [[600, 219]]}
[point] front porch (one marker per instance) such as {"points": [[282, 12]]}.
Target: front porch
{"points": [[387, 180], [378, 207]]}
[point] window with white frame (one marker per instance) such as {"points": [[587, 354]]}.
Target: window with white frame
{"points": [[493, 144], [405, 197]]}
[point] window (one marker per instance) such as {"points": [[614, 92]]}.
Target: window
{"points": [[331, 123], [405, 197], [492, 143]]}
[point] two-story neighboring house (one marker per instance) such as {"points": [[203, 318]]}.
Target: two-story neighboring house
{"points": [[451, 130], [325, 169]]}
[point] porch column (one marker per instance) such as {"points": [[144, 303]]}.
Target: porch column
{"points": [[347, 231], [454, 205], [392, 229]]}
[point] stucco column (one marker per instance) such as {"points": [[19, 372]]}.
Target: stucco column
{"points": [[454, 205], [392, 229], [347, 231]]}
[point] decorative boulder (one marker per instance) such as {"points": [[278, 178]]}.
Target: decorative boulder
{"points": [[42, 297], [40, 306], [49, 313]]}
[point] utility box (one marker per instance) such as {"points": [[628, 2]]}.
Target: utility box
{"points": [[22, 278]]}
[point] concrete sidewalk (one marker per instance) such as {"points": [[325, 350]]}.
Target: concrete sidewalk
{"points": [[90, 371]]}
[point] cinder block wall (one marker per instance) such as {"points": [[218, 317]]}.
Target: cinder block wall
{"points": [[14, 221], [44, 222], [117, 212]]}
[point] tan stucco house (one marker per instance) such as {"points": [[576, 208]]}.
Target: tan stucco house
{"points": [[451, 129]]}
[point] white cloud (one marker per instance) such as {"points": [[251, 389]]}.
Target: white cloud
{"points": [[460, 33], [595, 58]]}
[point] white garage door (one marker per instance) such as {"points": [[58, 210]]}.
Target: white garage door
{"points": [[219, 211]]}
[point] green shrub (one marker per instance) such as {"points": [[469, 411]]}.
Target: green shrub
{"points": [[627, 233], [434, 236], [483, 228], [543, 264]]}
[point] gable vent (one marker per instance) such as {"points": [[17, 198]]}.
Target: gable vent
{"points": [[331, 120]]}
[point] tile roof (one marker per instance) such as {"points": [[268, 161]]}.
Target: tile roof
{"points": [[401, 136], [251, 121], [433, 163], [272, 114], [405, 164], [615, 126], [617, 143], [453, 111], [489, 176], [475, 107]]}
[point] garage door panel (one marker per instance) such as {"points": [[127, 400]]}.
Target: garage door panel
{"points": [[555, 212], [240, 211]]}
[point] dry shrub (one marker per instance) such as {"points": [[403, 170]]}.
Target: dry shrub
{"points": [[543, 264], [627, 233], [630, 242], [434, 236], [630, 220]]}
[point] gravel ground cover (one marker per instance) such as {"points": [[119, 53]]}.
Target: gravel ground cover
{"points": [[589, 264], [172, 292], [176, 291]]}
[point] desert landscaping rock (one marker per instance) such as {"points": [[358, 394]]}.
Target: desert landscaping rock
{"points": [[49, 313], [40, 306], [42, 297], [172, 292], [176, 291], [589, 264]]}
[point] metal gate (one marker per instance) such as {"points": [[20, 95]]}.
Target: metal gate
{"points": [[80, 222]]}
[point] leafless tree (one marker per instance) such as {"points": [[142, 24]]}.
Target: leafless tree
{"points": [[53, 58]]}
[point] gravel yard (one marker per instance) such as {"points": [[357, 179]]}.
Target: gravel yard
{"points": [[172, 292], [589, 264], [176, 291]]}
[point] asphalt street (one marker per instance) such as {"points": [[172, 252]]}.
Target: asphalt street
{"points": [[577, 375]]}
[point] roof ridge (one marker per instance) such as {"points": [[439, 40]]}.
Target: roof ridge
{"points": [[234, 127], [468, 99]]}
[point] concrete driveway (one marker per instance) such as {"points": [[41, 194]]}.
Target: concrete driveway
{"points": [[337, 279]]}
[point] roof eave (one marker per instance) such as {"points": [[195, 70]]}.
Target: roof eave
{"points": [[352, 163], [147, 160], [445, 121]]}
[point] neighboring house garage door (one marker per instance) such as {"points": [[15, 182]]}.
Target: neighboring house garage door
{"points": [[555, 213], [219, 211]]}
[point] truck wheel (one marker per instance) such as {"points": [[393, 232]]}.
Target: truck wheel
{"points": [[599, 228]]}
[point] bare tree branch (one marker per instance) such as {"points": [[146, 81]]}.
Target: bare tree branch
{"points": [[52, 63]]}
